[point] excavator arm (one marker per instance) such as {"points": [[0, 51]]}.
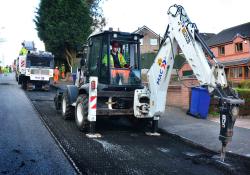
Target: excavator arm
{"points": [[182, 33]]}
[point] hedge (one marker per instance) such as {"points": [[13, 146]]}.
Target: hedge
{"points": [[244, 84], [244, 109], [147, 60], [245, 94]]}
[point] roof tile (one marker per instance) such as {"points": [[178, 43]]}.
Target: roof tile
{"points": [[228, 35]]}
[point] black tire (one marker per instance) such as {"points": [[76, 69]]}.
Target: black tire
{"points": [[81, 112], [18, 80], [57, 103], [67, 110], [24, 85], [46, 87]]}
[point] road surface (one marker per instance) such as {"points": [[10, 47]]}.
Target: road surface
{"points": [[26, 146], [123, 149]]}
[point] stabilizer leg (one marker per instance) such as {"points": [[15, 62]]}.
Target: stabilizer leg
{"points": [[154, 128], [92, 133]]}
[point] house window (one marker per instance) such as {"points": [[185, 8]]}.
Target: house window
{"points": [[141, 41], [221, 50], [187, 73], [238, 47], [246, 72], [236, 72], [153, 42]]}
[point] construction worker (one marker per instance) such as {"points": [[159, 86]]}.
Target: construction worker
{"points": [[116, 58], [56, 75], [1, 71], [23, 51], [117, 61], [63, 71], [6, 70]]}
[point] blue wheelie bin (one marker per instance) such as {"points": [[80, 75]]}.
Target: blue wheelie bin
{"points": [[200, 101]]}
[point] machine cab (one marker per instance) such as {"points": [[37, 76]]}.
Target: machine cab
{"points": [[114, 57]]}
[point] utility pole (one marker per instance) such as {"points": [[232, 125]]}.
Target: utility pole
{"points": [[2, 40]]}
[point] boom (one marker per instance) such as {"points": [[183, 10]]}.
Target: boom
{"points": [[183, 33]]}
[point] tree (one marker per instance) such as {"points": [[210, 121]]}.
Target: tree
{"points": [[64, 25], [179, 61]]}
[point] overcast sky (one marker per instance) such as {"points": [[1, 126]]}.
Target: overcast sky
{"points": [[209, 15], [16, 18]]}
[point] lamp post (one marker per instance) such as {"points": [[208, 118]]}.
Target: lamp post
{"points": [[2, 40]]}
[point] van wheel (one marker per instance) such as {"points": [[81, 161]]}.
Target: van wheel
{"points": [[67, 109], [24, 85], [81, 112]]}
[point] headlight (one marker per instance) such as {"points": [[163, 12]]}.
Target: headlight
{"points": [[27, 71]]}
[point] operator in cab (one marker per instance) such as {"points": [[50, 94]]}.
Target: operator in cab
{"points": [[120, 68]]}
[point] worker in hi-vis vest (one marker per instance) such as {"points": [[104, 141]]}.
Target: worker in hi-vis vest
{"points": [[23, 51], [117, 61], [56, 75]]}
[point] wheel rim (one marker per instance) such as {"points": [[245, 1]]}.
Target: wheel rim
{"points": [[79, 115], [64, 105]]}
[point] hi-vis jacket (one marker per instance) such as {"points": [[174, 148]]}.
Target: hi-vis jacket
{"points": [[121, 59], [23, 51]]}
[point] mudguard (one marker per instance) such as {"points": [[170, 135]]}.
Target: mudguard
{"points": [[84, 89]]}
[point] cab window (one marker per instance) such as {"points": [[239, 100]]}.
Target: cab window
{"points": [[94, 55], [104, 69], [129, 75]]}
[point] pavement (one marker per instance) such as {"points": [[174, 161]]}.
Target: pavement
{"points": [[204, 132], [26, 146], [200, 132]]}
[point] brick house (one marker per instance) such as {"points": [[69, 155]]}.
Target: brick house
{"points": [[232, 48], [185, 70], [150, 42], [179, 91]]}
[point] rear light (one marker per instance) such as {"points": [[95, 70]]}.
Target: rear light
{"points": [[93, 85]]}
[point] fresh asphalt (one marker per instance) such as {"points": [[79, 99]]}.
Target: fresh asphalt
{"points": [[26, 146], [123, 149]]}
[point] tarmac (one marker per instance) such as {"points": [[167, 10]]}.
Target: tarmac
{"points": [[26, 146], [200, 132]]}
